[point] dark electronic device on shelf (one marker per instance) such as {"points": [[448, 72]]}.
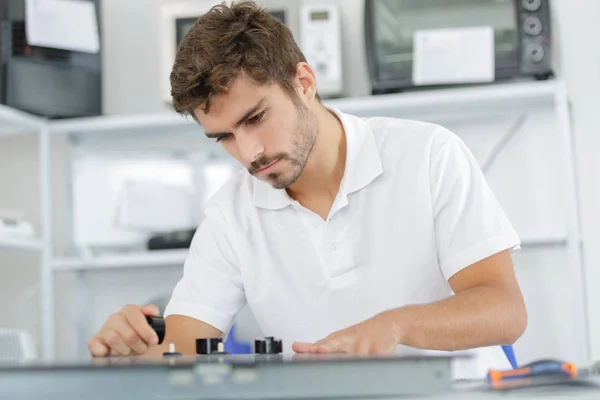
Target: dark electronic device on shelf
{"points": [[52, 83], [521, 30], [172, 240]]}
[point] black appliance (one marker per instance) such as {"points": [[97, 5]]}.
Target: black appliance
{"points": [[52, 83], [522, 40]]}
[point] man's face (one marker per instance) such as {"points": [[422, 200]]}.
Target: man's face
{"points": [[264, 129]]}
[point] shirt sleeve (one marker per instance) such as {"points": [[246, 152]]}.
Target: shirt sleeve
{"points": [[211, 288], [470, 225]]}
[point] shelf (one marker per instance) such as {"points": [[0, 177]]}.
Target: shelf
{"points": [[552, 240], [432, 103], [15, 122], [456, 102], [121, 123], [20, 244], [165, 124], [453, 102], [157, 258]]}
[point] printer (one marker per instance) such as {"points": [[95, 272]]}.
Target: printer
{"points": [[51, 83]]}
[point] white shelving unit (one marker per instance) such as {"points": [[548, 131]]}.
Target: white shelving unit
{"points": [[454, 103], [14, 122], [156, 258], [446, 104], [21, 244]]}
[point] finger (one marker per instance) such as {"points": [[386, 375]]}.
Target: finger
{"points": [[380, 350], [97, 348], [137, 321], [362, 347], [151, 309], [114, 340], [133, 340], [328, 346], [302, 347], [336, 344]]}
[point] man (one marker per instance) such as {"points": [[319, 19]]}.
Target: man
{"points": [[342, 234]]}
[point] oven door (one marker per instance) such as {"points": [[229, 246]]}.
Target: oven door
{"points": [[390, 27]]}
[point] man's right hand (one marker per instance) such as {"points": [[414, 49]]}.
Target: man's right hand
{"points": [[125, 333]]}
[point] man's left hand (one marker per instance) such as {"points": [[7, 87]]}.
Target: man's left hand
{"points": [[377, 335]]}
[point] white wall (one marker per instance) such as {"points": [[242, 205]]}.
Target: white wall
{"points": [[130, 61], [528, 179], [581, 67]]}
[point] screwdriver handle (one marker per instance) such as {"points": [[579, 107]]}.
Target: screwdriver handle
{"points": [[537, 368]]}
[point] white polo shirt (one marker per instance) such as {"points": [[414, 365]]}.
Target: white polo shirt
{"points": [[413, 209]]}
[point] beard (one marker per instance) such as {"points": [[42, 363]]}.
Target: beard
{"points": [[302, 144]]}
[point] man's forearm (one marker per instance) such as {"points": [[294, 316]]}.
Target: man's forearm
{"points": [[477, 317]]}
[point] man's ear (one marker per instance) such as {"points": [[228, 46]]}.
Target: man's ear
{"points": [[306, 81]]}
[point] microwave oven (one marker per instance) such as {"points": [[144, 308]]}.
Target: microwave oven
{"points": [[520, 36]]}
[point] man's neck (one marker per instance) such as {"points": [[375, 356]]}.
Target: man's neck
{"points": [[324, 170]]}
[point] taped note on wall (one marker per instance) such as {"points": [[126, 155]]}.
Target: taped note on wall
{"points": [[454, 55], [62, 24]]}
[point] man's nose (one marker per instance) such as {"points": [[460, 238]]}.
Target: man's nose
{"points": [[250, 147]]}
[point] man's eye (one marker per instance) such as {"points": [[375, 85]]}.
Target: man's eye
{"points": [[223, 138], [257, 118]]}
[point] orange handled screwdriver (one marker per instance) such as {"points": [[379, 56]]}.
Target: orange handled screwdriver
{"points": [[541, 368]]}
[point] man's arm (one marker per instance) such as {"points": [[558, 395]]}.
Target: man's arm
{"points": [[487, 309], [183, 331]]}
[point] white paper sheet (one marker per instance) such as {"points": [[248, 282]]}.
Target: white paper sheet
{"points": [[62, 24], [456, 55]]}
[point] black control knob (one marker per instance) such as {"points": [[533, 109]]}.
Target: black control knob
{"points": [[268, 345], [209, 345], [158, 324]]}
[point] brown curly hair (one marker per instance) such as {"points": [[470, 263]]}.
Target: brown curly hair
{"points": [[227, 41]]}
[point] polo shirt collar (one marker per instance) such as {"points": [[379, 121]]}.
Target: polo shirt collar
{"points": [[363, 165]]}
